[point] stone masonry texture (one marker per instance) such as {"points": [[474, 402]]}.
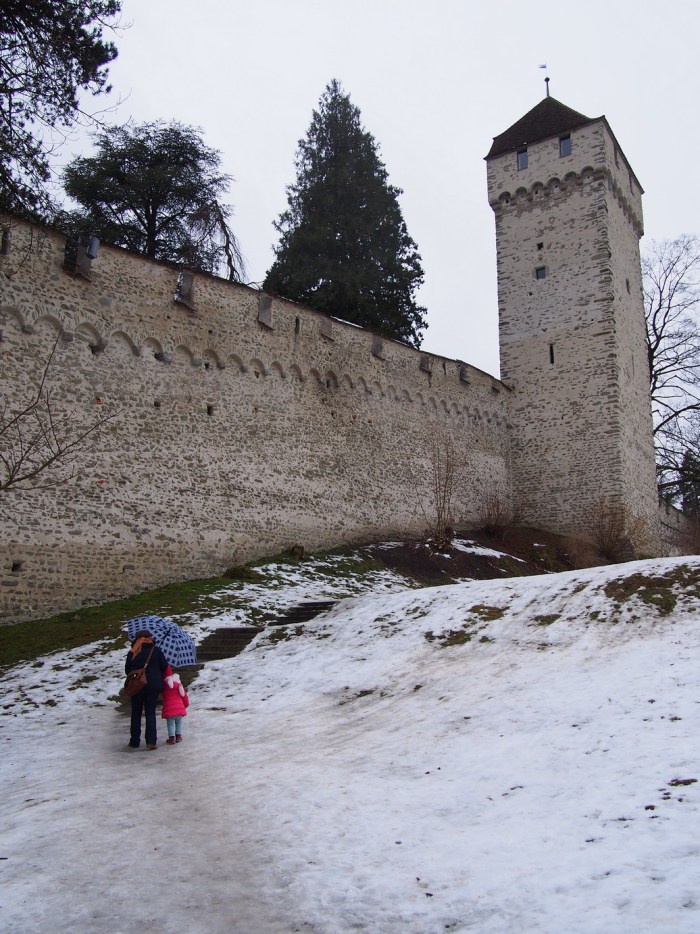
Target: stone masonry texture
{"points": [[234, 439]]}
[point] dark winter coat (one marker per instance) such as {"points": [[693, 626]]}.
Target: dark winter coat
{"points": [[155, 668]]}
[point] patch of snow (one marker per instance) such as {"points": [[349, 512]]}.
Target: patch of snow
{"points": [[489, 756], [473, 549]]}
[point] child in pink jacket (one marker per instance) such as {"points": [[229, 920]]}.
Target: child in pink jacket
{"points": [[175, 702]]}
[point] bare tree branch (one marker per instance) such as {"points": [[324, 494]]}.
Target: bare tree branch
{"points": [[672, 304], [37, 442]]}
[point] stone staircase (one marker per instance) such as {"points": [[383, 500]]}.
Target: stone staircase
{"points": [[229, 641], [226, 642], [303, 612]]}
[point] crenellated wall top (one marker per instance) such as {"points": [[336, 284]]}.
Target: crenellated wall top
{"points": [[594, 156], [222, 326]]}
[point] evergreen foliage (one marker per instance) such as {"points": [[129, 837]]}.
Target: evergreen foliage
{"points": [[50, 50], [154, 188], [344, 247], [689, 484]]}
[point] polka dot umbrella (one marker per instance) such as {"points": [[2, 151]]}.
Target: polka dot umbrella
{"points": [[179, 648]]}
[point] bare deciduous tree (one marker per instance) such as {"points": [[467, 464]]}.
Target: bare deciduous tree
{"points": [[672, 301], [39, 444]]}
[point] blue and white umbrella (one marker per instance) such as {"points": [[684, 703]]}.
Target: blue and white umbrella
{"points": [[178, 648]]}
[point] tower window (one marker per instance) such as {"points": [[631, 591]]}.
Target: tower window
{"points": [[541, 272], [627, 286], [551, 353], [565, 145], [540, 246], [522, 158]]}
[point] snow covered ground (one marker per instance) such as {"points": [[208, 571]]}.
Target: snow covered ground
{"points": [[493, 756]]}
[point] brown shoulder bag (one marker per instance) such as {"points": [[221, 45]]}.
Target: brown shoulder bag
{"points": [[136, 680]]}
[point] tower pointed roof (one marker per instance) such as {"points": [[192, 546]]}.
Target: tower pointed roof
{"points": [[548, 118]]}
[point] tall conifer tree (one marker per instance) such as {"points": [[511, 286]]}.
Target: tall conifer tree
{"points": [[50, 52], [689, 484], [344, 247]]}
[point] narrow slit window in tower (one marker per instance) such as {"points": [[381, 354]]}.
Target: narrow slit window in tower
{"points": [[551, 353]]}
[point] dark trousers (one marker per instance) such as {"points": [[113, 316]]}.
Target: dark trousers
{"points": [[144, 701]]}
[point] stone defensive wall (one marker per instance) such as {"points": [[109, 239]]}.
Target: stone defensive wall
{"points": [[243, 425]]}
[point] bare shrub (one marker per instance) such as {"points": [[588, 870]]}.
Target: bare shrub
{"points": [[694, 536], [447, 470], [686, 540], [497, 516], [582, 553], [615, 533]]}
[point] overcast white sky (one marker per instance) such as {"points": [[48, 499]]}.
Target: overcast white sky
{"points": [[435, 82]]}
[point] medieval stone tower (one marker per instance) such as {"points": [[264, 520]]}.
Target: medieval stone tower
{"points": [[572, 337]]}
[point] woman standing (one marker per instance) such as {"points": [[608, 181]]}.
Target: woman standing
{"points": [[144, 653]]}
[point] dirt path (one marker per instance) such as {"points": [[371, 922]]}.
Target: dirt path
{"points": [[125, 841]]}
